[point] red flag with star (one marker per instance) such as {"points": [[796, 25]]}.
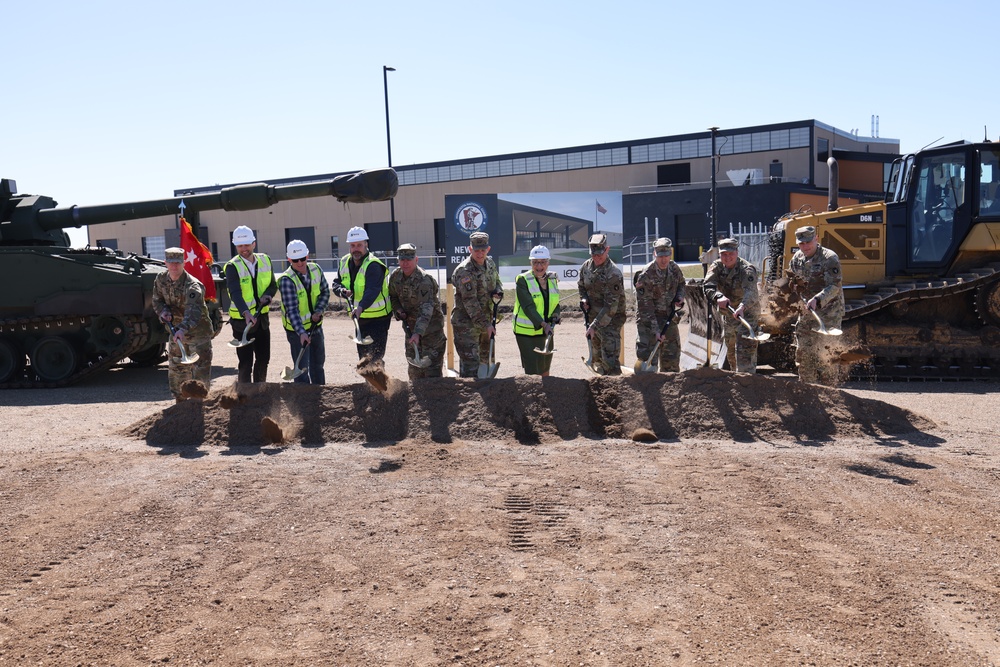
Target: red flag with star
{"points": [[197, 259]]}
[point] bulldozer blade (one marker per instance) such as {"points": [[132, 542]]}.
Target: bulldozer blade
{"points": [[292, 373], [417, 361]]}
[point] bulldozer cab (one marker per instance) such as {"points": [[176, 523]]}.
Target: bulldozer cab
{"points": [[935, 199]]}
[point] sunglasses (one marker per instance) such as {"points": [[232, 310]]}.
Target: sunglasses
{"points": [[298, 261], [597, 251]]}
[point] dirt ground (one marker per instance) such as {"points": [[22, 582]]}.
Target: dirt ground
{"points": [[692, 519]]}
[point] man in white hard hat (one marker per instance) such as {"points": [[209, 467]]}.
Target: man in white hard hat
{"points": [[304, 295], [364, 279], [251, 285], [536, 311]]}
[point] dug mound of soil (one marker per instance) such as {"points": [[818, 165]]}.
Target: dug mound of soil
{"points": [[697, 404]]}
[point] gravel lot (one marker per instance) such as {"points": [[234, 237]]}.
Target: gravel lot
{"points": [[851, 527]]}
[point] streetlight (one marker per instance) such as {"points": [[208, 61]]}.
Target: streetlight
{"points": [[388, 144]]}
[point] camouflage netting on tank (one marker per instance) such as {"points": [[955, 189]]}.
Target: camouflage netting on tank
{"points": [[698, 404]]}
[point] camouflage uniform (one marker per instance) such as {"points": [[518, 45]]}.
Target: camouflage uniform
{"points": [[185, 299], [739, 285], [817, 276], [657, 290], [473, 312], [604, 289], [417, 296]]}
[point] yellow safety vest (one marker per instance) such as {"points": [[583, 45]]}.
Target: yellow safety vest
{"points": [[306, 300], [522, 323], [381, 307], [264, 278]]}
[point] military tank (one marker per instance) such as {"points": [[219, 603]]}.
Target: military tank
{"points": [[68, 314]]}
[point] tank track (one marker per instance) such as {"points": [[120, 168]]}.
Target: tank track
{"points": [[910, 358], [20, 328]]}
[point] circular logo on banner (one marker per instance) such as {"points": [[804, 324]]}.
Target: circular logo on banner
{"points": [[470, 217]]}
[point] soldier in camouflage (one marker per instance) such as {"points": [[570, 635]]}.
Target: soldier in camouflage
{"points": [[179, 301], [602, 297], [659, 291], [413, 294], [477, 285], [731, 281], [816, 277]]}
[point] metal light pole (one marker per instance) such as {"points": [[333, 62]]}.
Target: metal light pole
{"points": [[388, 144], [714, 217], [711, 244]]}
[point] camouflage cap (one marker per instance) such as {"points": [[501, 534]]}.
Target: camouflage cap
{"points": [[805, 234], [174, 255], [598, 239], [406, 251], [728, 245], [662, 246], [479, 240]]}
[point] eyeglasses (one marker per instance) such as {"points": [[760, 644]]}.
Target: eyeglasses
{"points": [[298, 261]]}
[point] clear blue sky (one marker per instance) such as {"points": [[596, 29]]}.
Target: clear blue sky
{"points": [[114, 101]]}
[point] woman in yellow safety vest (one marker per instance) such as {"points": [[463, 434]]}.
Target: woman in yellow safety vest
{"points": [[536, 310]]}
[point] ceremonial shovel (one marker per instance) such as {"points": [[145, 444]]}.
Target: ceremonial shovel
{"points": [[546, 349], [367, 340], [185, 359], [490, 368], [753, 334], [589, 361], [417, 361], [647, 366], [292, 373], [243, 342], [822, 327]]}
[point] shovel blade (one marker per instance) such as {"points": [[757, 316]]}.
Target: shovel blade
{"points": [[187, 360], [417, 361], [241, 343], [367, 340], [292, 373]]}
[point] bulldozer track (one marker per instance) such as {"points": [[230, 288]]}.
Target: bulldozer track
{"points": [[914, 290], [25, 328], [919, 361]]}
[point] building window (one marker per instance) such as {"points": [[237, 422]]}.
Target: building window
{"points": [[822, 150], [153, 246], [108, 243]]}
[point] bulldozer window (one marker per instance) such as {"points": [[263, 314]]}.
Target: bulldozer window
{"points": [[940, 191], [989, 182]]}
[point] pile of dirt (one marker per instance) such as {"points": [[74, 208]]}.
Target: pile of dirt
{"points": [[697, 404]]}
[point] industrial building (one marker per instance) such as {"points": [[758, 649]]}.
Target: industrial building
{"points": [[762, 172]]}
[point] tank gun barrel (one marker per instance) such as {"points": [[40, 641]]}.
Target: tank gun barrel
{"points": [[361, 187]]}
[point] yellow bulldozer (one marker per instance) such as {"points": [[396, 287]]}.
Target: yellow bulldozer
{"points": [[921, 274]]}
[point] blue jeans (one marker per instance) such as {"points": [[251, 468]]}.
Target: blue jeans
{"points": [[315, 354]]}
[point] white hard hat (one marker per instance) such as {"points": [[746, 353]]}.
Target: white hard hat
{"points": [[297, 250], [356, 234], [539, 252], [243, 235]]}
